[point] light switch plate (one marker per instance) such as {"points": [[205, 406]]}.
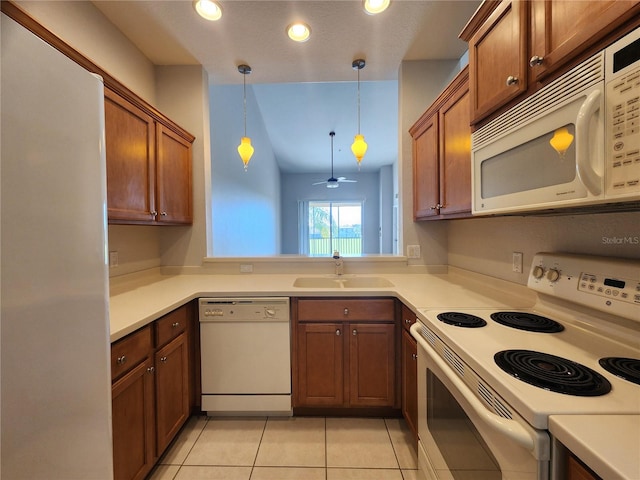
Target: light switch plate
{"points": [[517, 262], [113, 259], [246, 268], [413, 251]]}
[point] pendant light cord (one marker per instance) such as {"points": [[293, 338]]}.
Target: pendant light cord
{"points": [[358, 101], [244, 102]]}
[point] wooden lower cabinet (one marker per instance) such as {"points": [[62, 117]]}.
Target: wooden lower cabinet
{"points": [[320, 364], [576, 470], [172, 390], [341, 357], [151, 392], [410, 381], [133, 423], [372, 365]]}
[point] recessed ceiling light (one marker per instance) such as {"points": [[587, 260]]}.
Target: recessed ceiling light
{"points": [[373, 7], [208, 9], [299, 32]]}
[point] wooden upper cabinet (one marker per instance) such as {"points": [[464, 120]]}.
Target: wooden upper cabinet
{"points": [[148, 166], [560, 30], [517, 46], [130, 148], [174, 197], [455, 154], [497, 58], [442, 155], [426, 190]]}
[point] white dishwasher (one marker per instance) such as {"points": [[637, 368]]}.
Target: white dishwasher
{"points": [[245, 353]]}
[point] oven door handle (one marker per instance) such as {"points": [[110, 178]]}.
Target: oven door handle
{"points": [[584, 168], [509, 428]]}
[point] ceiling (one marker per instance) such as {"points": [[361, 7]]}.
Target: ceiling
{"points": [[253, 32]]}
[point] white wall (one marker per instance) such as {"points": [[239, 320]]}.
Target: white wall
{"points": [[245, 205], [485, 245], [183, 95], [387, 193], [420, 84], [297, 187]]}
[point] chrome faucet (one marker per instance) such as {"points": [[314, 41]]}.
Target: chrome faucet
{"points": [[338, 262]]}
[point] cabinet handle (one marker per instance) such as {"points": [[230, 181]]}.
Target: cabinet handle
{"points": [[346, 311], [164, 214], [355, 332], [536, 61], [163, 359], [338, 333], [440, 205], [407, 321], [151, 369], [154, 214], [175, 324], [414, 356], [121, 360], [511, 80]]}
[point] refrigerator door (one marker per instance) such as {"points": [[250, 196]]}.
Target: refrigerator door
{"points": [[55, 376]]}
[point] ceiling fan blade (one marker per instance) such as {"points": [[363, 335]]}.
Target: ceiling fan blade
{"points": [[344, 180], [319, 183]]}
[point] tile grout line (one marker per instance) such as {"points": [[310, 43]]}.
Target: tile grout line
{"points": [[191, 448], [255, 459], [393, 447]]}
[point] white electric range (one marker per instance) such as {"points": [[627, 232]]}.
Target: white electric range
{"points": [[482, 366]]}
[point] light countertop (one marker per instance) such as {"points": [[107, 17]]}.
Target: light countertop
{"points": [[608, 444], [142, 299]]}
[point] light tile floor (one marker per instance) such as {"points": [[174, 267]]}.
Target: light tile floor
{"points": [[291, 448]]}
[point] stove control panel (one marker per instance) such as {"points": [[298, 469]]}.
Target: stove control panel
{"points": [[627, 290], [607, 284]]}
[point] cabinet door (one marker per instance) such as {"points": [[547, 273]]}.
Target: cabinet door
{"points": [[174, 192], [455, 153], [561, 30], [426, 194], [133, 423], [320, 364], [172, 390], [498, 58], [410, 381], [130, 152], [372, 365]]}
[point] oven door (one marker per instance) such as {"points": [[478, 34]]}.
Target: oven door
{"points": [[460, 438]]}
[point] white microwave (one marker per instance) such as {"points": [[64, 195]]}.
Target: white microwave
{"points": [[573, 143]]}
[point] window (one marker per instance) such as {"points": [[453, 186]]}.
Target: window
{"points": [[333, 226]]}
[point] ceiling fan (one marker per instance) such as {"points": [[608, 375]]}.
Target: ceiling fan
{"points": [[333, 182]]}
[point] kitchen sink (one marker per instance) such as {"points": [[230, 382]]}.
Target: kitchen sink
{"points": [[344, 282]]}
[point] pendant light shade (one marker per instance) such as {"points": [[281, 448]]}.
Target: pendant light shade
{"points": [[245, 150], [359, 146]]}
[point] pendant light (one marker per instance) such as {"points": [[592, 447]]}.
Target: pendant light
{"points": [[359, 146], [245, 150]]}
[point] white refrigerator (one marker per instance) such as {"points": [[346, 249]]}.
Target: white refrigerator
{"points": [[55, 389]]}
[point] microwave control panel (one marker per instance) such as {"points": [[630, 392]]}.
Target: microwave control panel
{"points": [[623, 119]]}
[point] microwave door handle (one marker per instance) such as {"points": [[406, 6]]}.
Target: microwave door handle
{"points": [[584, 168], [509, 428]]}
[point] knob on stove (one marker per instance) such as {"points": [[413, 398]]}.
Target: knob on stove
{"points": [[553, 275], [538, 272]]}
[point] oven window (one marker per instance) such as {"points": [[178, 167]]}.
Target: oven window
{"points": [[466, 454]]}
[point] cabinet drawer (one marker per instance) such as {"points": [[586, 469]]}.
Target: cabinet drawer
{"points": [[171, 325], [130, 351], [408, 318], [338, 309]]}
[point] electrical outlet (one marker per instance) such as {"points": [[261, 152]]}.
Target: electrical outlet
{"points": [[246, 268], [517, 262], [413, 251], [113, 259]]}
